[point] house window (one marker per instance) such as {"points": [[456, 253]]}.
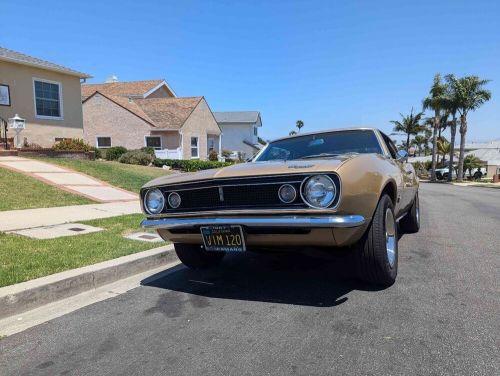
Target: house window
{"points": [[103, 142], [255, 131], [153, 142], [194, 147], [48, 101]]}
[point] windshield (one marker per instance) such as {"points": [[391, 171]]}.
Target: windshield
{"points": [[322, 145]]}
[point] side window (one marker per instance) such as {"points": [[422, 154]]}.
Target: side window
{"points": [[390, 146]]}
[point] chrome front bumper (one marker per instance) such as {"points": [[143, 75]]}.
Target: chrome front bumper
{"points": [[333, 221]]}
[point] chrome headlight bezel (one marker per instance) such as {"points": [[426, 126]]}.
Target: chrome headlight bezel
{"points": [[304, 197], [161, 198]]}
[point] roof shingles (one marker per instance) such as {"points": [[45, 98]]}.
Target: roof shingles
{"points": [[122, 89]]}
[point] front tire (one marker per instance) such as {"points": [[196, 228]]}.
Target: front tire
{"points": [[196, 257], [410, 223], [377, 251]]}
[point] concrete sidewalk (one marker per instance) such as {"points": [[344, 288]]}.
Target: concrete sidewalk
{"points": [[31, 218], [67, 180]]}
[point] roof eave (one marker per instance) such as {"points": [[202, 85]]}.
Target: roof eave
{"points": [[63, 71]]}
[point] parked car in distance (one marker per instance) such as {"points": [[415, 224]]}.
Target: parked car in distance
{"points": [[476, 173], [344, 188]]}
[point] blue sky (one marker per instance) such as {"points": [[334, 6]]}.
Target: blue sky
{"points": [[329, 63]]}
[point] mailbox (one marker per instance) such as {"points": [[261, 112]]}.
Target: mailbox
{"points": [[17, 122]]}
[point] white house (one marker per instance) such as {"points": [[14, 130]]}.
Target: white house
{"points": [[240, 131]]}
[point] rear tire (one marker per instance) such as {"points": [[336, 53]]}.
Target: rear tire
{"points": [[410, 223], [196, 257], [377, 250], [478, 175]]}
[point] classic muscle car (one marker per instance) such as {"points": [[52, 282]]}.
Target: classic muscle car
{"points": [[348, 188]]}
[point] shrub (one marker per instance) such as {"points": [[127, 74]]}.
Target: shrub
{"points": [[72, 144], [97, 152], [114, 153], [213, 155], [136, 157], [189, 165], [149, 150]]}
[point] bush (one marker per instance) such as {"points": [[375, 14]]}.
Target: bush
{"points": [[97, 152], [114, 153], [149, 150], [189, 165], [213, 156], [72, 144], [136, 157]]}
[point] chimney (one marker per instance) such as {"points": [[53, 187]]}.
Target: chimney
{"points": [[111, 79]]}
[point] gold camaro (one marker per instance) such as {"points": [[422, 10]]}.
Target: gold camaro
{"points": [[347, 188]]}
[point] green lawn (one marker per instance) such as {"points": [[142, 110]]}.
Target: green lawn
{"points": [[129, 177], [23, 258], [18, 191]]}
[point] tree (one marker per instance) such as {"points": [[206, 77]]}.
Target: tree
{"points": [[435, 102], [443, 148], [419, 141], [451, 101], [291, 133], [471, 162], [299, 124], [469, 94], [410, 125]]}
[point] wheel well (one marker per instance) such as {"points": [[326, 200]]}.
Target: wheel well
{"points": [[390, 189]]}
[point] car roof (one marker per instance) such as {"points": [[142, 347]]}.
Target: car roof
{"points": [[327, 131]]}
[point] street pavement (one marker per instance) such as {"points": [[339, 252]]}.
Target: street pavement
{"points": [[286, 314]]}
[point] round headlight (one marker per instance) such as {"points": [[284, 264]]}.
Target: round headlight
{"points": [[174, 200], [319, 191], [287, 193], [154, 201]]}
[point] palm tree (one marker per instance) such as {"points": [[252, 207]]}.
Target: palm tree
{"points": [[443, 148], [419, 141], [451, 103], [471, 162], [435, 102], [299, 124], [410, 125], [470, 95]]}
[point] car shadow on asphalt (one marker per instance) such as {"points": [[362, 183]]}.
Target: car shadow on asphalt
{"points": [[285, 278]]}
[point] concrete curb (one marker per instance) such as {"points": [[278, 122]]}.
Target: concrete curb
{"points": [[28, 295]]}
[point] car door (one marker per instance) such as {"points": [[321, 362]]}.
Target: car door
{"points": [[406, 172]]}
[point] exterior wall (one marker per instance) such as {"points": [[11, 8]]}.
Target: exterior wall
{"points": [[200, 124], [102, 117], [233, 135], [169, 139], [41, 131], [162, 92]]}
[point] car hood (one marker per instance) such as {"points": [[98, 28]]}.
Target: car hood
{"points": [[255, 169]]}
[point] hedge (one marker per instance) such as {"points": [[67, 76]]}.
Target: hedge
{"points": [[136, 157], [189, 165]]}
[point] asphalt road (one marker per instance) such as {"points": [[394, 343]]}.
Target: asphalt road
{"points": [[284, 314]]}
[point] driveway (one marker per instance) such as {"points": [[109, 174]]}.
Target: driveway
{"points": [[283, 315]]}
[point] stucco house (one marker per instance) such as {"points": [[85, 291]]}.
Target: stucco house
{"points": [[148, 113], [45, 94], [240, 131]]}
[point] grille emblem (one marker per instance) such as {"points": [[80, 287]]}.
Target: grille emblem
{"points": [[221, 194]]}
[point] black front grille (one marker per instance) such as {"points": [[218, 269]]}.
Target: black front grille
{"points": [[237, 193]]}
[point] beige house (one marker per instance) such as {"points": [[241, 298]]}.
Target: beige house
{"points": [[45, 94], [148, 113]]}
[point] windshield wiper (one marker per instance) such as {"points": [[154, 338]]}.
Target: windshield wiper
{"points": [[322, 155]]}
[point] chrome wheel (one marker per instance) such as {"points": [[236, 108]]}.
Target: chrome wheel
{"points": [[390, 236], [417, 211]]}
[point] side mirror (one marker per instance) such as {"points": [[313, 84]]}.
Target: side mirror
{"points": [[402, 156]]}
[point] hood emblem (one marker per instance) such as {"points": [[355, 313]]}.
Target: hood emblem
{"points": [[300, 166]]}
